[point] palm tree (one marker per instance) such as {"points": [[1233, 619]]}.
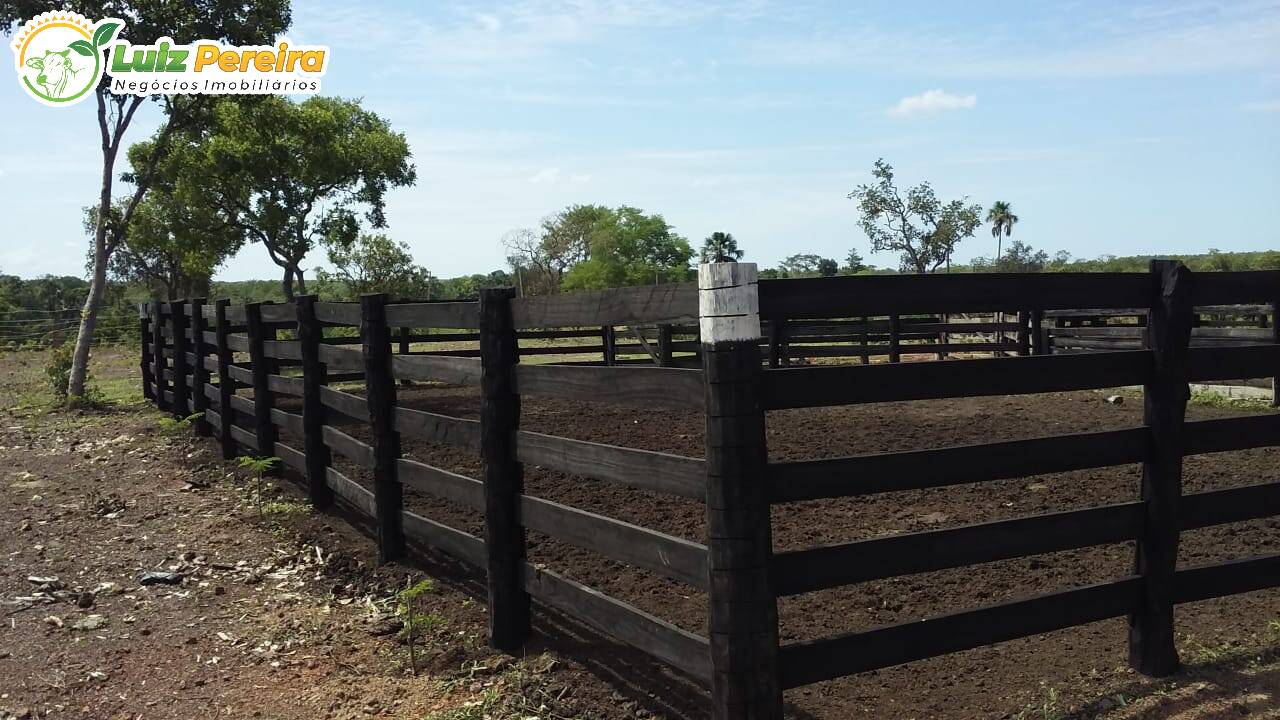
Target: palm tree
{"points": [[1002, 221], [720, 247]]}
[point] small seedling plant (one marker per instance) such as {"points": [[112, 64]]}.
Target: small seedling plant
{"points": [[417, 621], [257, 467], [174, 427]]}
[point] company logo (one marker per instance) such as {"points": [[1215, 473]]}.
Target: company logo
{"points": [[59, 56]]}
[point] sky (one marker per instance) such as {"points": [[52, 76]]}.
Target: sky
{"points": [[1111, 127]]}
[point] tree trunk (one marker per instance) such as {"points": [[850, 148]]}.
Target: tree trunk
{"points": [[302, 283], [97, 283], [286, 283]]}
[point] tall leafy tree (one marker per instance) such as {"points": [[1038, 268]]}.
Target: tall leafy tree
{"points": [[1002, 221], [807, 265], [632, 248], [916, 224], [720, 247], [293, 175], [376, 263], [853, 262], [541, 257], [248, 22]]}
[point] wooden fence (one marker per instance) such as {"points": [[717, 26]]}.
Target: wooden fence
{"points": [[200, 355]]}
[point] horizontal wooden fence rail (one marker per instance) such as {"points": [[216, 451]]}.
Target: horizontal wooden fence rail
{"points": [[637, 347]]}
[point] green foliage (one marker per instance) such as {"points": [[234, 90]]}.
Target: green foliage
{"points": [[720, 247], [417, 621], [376, 263], [1002, 221], [631, 248], [923, 229], [540, 258], [257, 465], [807, 265], [177, 426], [1018, 257], [854, 263], [267, 166], [57, 371]]}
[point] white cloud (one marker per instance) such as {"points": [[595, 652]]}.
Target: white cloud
{"points": [[930, 102], [546, 176]]}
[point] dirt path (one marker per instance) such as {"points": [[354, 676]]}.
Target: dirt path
{"points": [[281, 613]]}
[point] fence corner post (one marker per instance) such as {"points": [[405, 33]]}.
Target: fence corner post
{"points": [[380, 392], [314, 375], [503, 474], [148, 362], [743, 610], [181, 389], [157, 352], [1168, 336], [199, 372], [260, 366]]}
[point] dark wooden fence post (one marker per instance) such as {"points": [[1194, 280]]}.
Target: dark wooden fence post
{"points": [[157, 352], [404, 350], [380, 392], [314, 375], [895, 344], [1275, 338], [148, 362], [1039, 338], [863, 351], [260, 366], [226, 385], [609, 339], [776, 325], [1168, 335], [743, 610], [181, 388], [664, 345], [503, 474], [1024, 334], [199, 373]]}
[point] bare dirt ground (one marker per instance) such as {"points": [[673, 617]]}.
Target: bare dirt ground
{"points": [[282, 613]]}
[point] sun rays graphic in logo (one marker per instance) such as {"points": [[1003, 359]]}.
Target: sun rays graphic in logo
{"points": [[59, 56]]}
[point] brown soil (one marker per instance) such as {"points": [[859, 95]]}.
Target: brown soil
{"points": [[97, 497]]}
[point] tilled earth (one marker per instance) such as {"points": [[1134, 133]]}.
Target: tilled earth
{"points": [[282, 613]]}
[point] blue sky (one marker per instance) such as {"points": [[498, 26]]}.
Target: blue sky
{"points": [[1111, 127]]}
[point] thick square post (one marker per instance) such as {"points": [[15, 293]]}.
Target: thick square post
{"points": [[226, 385], [664, 345], [314, 376], [503, 474], [199, 371], [157, 352], [260, 366], [148, 363], [1039, 337], [609, 339], [895, 343], [1275, 338], [404, 350], [743, 610], [1024, 333], [181, 388], [1168, 335], [380, 392]]}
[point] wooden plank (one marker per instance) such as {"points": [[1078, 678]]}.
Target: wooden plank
{"points": [[242, 404], [620, 306], [954, 293], [809, 662], [845, 385], [1201, 582], [1229, 288], [1237, 504], [452, 370], [212, 392], [338, 358], [437, 428], [456, 543], [338, 313], [441, 483], [244, 437], [353, 406], [290, 457], [801, 571], [643, 386], [1233, 363], [434, 315], [667, 555], [916, 469], [286, 385], [287, 420], [279, 313], [282, 349], [214, 418], [678, 648], [350, 491], [654, 471], [238, 342], [1237, 433], [348, 447]]}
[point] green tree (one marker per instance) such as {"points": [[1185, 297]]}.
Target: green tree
{"points": [[720, 247], [828, 267], [376, 263], [807, 265], [853, 262], [541, 257], [244, 22], [1269, 260], [291, 175], [631, 248], [923, 229], [1002, 221], [1018, 257]]}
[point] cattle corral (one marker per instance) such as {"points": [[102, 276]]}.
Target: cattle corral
{"points": [[644, 502]]}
